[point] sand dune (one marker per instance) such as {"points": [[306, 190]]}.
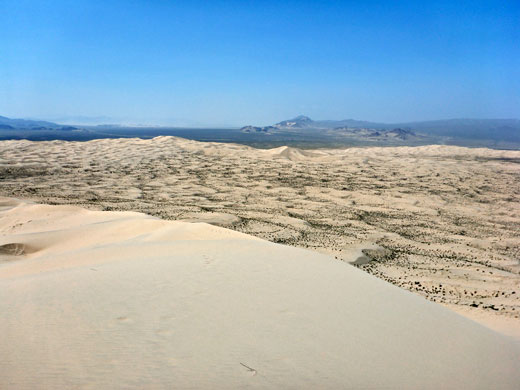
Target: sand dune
{"points": [[440, 221], [294, 154], [124, 300]]}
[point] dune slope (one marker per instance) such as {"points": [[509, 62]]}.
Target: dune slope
{"points": [[123, 300]]}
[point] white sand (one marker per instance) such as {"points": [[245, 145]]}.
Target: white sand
{"points": [[107, 300]]}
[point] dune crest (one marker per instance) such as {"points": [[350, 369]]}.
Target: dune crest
{"points": [[123, 300], [293, 154]]}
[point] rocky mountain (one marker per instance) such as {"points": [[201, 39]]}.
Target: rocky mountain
{"points": [[349, 127], [374, 134], [485, 129], [300, 122], [400, 133], [304, 122]]}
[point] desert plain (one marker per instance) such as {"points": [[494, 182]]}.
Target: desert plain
{"points": [[440, 221]]}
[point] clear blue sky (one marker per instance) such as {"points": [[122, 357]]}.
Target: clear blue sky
{"points": [[244, 62]]}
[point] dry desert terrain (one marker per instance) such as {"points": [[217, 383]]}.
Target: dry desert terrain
{"points": [[440, 221]]}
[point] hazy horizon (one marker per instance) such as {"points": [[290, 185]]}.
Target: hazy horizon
{"points": [[230, 64], [100, 120]]}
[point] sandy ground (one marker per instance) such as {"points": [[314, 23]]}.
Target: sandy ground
{"points": [[440, 221], [118, 300]]}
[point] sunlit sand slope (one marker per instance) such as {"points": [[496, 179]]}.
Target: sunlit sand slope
{"points": [[118, 300]]}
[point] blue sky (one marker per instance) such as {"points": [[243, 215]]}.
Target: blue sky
{"points": [[220, 63]]}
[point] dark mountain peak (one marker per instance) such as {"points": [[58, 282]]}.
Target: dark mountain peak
{"points": [[400, 133]]}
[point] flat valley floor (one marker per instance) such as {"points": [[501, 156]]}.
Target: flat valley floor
{"points": [[441, 221]]}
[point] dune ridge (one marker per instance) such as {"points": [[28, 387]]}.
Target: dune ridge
{"points": [[124, 300]]}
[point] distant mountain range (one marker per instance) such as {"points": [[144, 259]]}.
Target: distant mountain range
{"points": [[28, 124], [497, 133], [493, 129]]}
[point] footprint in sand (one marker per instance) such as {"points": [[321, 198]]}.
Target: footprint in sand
{"points": [[208, 260]]}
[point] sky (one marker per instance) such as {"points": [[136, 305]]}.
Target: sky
{"points": [[234, 63]]}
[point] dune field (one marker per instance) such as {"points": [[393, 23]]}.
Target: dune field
{"points": [[440, 221]]}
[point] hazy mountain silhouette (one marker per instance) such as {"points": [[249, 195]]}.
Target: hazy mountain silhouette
{"points": [[29, 124]]}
